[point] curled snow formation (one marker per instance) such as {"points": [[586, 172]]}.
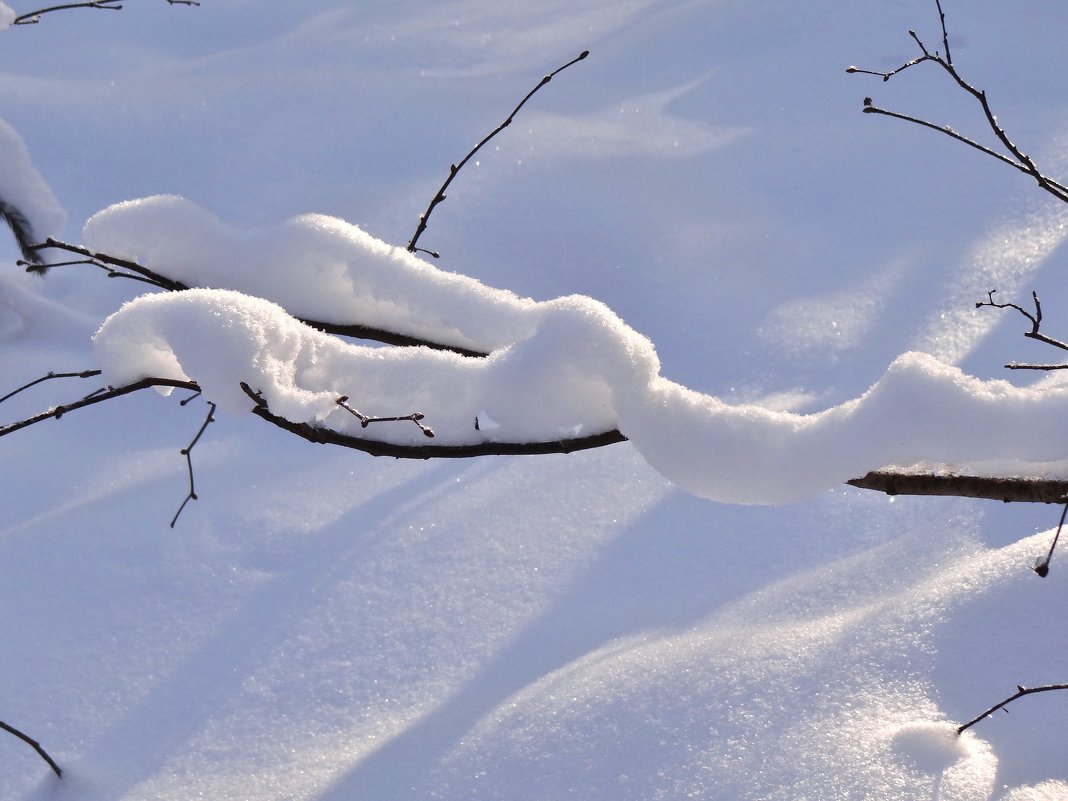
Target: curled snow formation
{"points": [[318, 267], [581, 371]]}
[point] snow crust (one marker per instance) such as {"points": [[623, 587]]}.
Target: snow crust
{"points": [[578, 370]]}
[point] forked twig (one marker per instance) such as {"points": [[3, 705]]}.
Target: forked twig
{"points": [[33, 744], [365, 420], [187, 453], [33, 17], [455, 168], [1021, 691], [1016, 158]]}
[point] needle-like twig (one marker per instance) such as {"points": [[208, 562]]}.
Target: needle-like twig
{"points": [[424, 218]]}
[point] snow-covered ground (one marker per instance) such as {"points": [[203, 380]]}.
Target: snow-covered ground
{"points": [[321, 624]]}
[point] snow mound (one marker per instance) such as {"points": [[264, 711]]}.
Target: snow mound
{"points": [[21, 185]]}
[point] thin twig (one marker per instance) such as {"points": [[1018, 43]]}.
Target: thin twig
{"points": [[455, 168], [57, 412], [1042, 568], [48, 377], [105, 262], [1021, 691], [1035, 319], [1019, 159], [187, 453], [365, 420], [35, 745], [33, 17]]}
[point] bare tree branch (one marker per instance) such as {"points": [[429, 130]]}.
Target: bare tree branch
{"points": [[1024, 489], [1016, 158], [35, 745], [21, 229], [1042, 568], [1021, 691], [455, 168], [1036, 318], [48, 377], [33, 17], [187, 453]]}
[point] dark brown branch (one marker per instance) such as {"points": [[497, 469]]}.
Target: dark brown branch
{"points": [[1019, 159], [187, 452], [439, 197], [1016, 489], [1036, 323], [33, 17], [97, 397], [48, 377], [366, 420], [1042, 568], [105, 262], [123, 268], [21, 229], [33, 744], [1021, 691], [328, 436]]}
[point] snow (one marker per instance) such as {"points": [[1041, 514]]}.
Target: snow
{"points": [[23, 187], [581, 371], [781, 301]]}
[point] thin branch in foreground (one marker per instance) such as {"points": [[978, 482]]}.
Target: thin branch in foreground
{"points": [[1021, 691], [187, 453], [1042, 568], [33, 744], [366, 420], [455, 168], [50, 375]]}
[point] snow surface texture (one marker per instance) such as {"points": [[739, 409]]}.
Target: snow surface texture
{"points": [[324, 626], [563, 368]]}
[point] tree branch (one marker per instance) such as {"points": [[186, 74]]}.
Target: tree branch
{"points": [[1017, 158], [439, 197], [187, 453], [35, 745], [1024, 489], [1021, 691], [33, 17]]}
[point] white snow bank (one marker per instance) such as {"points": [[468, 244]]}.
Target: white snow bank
{"points": [[21, 185], [582, 371], [318, 267]]}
